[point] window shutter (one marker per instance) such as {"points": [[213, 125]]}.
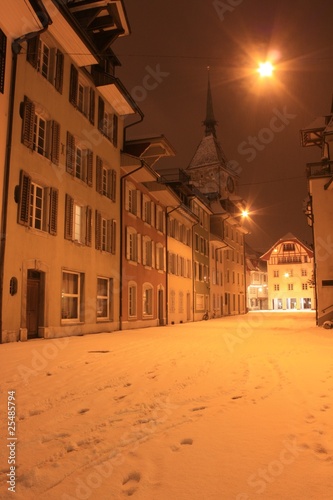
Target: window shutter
{"points": [[24, 201], [127, 244], [115, 130], [109, 185], [88, 226], [73, 85], [114, 237], [89, 167], [138, 202], [109, 236], [69, 213], [3, 48], [70, 153], [99, 175], [92, 106], [98, 231], [152, 250], [55, 144], [28, 123], [139, 248], [59, 71], [127, 194], [53, 212], [32, 51], [100, 115]]}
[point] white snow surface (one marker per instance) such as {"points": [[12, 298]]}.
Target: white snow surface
{"points": [[235, 408]]}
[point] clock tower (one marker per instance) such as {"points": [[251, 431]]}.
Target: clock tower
{"points": [[209, 170]]}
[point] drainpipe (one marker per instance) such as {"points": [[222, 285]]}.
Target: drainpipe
{"points": [[16, 49], [122, 178]]}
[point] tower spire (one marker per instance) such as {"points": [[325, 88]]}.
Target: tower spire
{"points": [[209, 121]]}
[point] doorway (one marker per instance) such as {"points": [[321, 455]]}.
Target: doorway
{"points": [[35, 302], [160, 307]]}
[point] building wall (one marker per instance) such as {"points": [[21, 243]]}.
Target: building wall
{"points": [[180, 269], [47, 254], [234, 272], [136, 273], [288, 279], [322, 207]]}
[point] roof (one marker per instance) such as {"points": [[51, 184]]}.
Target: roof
{"points": [[209, 153], [287, 238]]}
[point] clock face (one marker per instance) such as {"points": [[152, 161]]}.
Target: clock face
{"points": [[230, 184]]}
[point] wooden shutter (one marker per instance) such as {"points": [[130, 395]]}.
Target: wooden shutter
{"points": [[114, 237], [109, 236], [73, 85], [99, 175], [89, 167], [88, 226], [28, 123], [100, 115], [138, 248], [55, 142], [70, 153], [53, 212], [127, 243], [127, 195], [115, 130], [59, 71], [98, 231], [3, 48], [69, 214], [32, 51], [92, 106], [24, 201]]}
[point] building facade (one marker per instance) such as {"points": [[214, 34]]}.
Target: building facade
{"points": [[61, 267], [319, 212], [290, 270]]}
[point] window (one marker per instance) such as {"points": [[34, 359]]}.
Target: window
{"points": [[289, 247], [133, 245], [148, 210], [304, 286], [37, 205], [81, 95], [107, 122], [105, 233], [132, 199], [48, 61], [276, 288], [71, 296], [304, 272], [3, 47], [39, 133], [276, 274], [172, 301], [79, 160], [148, 252], [147, 300], [104, 294], [160, 257], [160, 219], [132, 299], [181, 302], [78, 222], [106, 179]]}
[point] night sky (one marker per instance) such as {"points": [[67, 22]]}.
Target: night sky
{"points": [[164, 66]]}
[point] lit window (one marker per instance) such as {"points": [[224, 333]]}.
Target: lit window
{"points": [[104, 290], [36, 206], [70, 303], [147, 300]]}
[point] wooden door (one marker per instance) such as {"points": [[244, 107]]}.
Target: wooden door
{"points": [[33, 295]]}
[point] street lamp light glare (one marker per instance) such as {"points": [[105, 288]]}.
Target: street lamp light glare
{"points": [[265, 69], [245, 213]]}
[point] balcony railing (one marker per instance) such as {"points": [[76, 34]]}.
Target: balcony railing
{"points": [[320, 169]]}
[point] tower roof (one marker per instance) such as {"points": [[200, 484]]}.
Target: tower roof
{"points": [[209, 121]]}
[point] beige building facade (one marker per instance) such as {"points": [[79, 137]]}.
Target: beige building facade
{"points": [[289, 272]]}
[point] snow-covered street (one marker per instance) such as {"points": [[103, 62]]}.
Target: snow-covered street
{"points": [[235, 408]]}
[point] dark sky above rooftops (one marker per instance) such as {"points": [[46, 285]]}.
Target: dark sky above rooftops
{"points": [[164, 67]]}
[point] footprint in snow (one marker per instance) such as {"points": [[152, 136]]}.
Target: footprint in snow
{"points": [[131, 481]]}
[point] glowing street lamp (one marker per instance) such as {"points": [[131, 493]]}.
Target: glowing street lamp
{"points": [[265, 69]]}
